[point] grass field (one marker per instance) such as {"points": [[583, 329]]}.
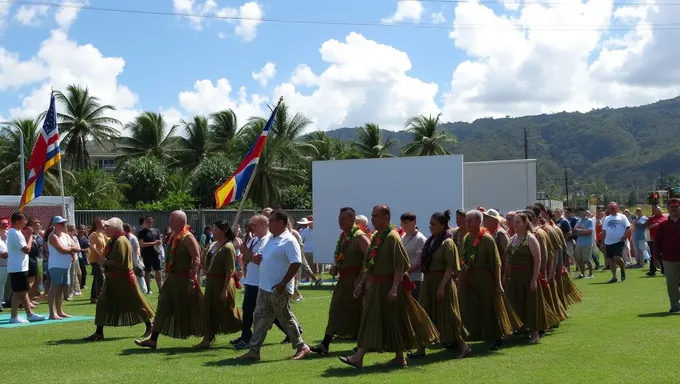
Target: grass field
{"points": [[621, 333]]}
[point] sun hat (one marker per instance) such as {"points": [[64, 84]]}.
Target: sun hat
{"points": [[304, 221], [58, 220], [492, 213]]}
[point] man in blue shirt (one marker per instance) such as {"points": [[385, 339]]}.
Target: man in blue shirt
{"points": [[583, 230]]}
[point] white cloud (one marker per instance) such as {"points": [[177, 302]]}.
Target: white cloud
{"points": [[406, 10], [437, 18], [247, 17], [525, 69], [364, 81], [207, 98], [511, 5], [60, 62], [266, 73], [31, 15], [66, 15]]}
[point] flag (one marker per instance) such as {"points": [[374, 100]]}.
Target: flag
{"points": [[233, 189], [45, 155]]}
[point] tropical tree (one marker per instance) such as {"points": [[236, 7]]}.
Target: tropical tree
{"points": [[223, 125], [149, 135], [284, 156], [83, 119], [369, 142], [10, 163], [146, 179], [428, 139], [328, 148], [93, 188], [209, 175], [197, 144]]}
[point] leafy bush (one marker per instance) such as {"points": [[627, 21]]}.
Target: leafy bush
{"points": [[146, 177]]}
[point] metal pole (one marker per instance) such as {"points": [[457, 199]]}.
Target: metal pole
{"points": [[22, 161], [566, 184]]}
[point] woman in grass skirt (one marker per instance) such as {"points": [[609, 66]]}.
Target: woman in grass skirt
{"points": [[180, 300], [486, 312], [439, 295], [121, 302], [523, 280], [557, 269], [344, 314], [391, 321], [219, 314]]}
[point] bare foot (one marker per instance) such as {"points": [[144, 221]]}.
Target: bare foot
{"points": [[64, 315], [55, 317], [203, 345], [302, 352], [250, 355]]}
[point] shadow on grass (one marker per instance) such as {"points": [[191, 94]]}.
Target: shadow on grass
{"points": [[169, 351], [235, 361], [324, 287], [656, 314], [81, 341]]}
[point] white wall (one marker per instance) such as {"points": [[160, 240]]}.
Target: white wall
{"points": [[506, 185], [423, 185]]}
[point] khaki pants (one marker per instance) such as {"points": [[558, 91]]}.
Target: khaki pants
{"points": [[270, 306], [672, 273]]}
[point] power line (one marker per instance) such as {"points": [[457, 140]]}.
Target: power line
{"points": [[533, 27]]}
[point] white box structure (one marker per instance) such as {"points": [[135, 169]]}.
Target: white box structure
{"points": [[506, 185]]}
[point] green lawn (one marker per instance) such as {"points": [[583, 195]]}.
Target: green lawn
{"points": [[621, 333]]}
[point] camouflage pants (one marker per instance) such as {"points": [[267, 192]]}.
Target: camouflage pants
{"points": [[270, 306]]}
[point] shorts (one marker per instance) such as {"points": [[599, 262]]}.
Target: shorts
{"points": [[32, 267], [583, 253], [614, 250], [60, 276], [19, 281], [151, 262]]}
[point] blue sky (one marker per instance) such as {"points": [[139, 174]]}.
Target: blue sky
{"points": [[165, 56]]}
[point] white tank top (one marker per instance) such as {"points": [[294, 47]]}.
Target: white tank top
{"points": [[58, 259]]}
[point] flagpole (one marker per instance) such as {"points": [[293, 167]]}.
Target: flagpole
{"points": [[61, 173], [22, 160], [250, 182]]}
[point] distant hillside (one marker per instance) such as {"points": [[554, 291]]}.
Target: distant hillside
{"points": [[627, 148]]}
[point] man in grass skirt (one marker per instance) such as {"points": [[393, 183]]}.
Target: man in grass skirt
{"points": [[121, 302]]}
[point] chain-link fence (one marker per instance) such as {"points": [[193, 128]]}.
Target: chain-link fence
{"points": [[197, 219]]}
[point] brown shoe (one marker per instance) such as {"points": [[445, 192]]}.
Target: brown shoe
{"points": [[302, 352], [148, 343], [250, 355]]}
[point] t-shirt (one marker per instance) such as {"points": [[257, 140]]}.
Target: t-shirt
{"points": [[37, 250], [655, 220], [585, 223], [414, 247], [639, 232], [277, 255], [306, 234], [17, 260], [134, 243], [84, 243], [3, 249], [573, 221], [149, 235], [615, 227], [253, 270]]}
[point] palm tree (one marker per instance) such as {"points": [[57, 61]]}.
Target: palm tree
{"points": [[149, 135], [10, 164], [283, 159], [428, 139], [223, 125], [95, 189], [197, 145], [84, 119], [369, 142], [328, 148]]}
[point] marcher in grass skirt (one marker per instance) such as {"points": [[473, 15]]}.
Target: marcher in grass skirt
{"points": [[179, 302], [344, 315], [391, 321], [487, 314], [439, 294], [121, 302], [219, 313], [523, 280]]}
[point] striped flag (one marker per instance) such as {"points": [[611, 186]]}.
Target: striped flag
{"points": [[233, 189], [45, 155]]}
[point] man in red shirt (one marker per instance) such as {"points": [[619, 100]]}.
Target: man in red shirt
{"points": [[667, 250], [653, 225]]}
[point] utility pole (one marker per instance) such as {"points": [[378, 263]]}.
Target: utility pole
{"points": [[526, 144], [566, 183]]}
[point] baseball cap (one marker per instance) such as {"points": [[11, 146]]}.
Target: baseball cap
{"points": [[492, 213], [58, 220]]}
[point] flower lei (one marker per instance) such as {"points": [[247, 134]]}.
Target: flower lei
{"points": [[342, 244], [365, 230], [469, 257], [377, 239], [174, 243], [513, 248]]}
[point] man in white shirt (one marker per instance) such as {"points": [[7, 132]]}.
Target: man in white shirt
{"points": [[17, 268], [4, 225], [615, 228], [280, 258]]}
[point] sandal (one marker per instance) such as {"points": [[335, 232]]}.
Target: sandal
{"points": [[345, 359]]}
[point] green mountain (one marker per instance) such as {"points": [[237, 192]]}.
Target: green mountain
{"points": [[623, 149]]}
